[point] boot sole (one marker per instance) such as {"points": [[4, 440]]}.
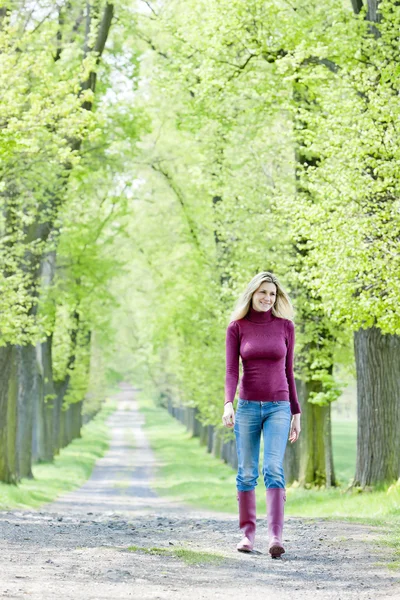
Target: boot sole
{"points": [[276, 551]]}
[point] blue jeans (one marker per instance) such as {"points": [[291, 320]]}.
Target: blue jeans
{"points": [[273, 419]]}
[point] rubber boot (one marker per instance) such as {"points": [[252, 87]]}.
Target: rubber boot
{"points": [[275, 512], [247, 519]]}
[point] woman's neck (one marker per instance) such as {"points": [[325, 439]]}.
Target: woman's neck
{"points": [[259, 316]]}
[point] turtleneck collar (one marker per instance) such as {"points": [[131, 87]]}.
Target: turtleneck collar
{"points": [[257, 316]]}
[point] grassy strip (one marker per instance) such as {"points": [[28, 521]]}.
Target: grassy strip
{"points": [[344, 442], [70, 469], [188, 473], [190, 557]]}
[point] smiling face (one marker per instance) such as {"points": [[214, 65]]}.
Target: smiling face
{"points": [[264, 297]]}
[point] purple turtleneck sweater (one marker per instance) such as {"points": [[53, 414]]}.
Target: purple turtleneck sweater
{"points": [[265, 344]]}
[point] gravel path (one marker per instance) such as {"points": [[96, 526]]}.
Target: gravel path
{"points": [[78, 547]]}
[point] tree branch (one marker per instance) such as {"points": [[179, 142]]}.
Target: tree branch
{"points": [[102, 35]]}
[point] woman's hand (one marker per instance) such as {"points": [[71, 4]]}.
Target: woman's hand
{"points": [[228, 417], [295, 428]]}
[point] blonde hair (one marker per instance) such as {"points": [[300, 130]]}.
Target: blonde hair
{"points": [[282, 306]]}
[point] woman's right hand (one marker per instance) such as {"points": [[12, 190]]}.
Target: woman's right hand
{"points": [[228, 418]]}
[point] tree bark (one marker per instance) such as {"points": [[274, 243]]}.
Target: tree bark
{"points": [[291, 463], [203, 435], [68, 425], [58, 416], [217, 443], [27, 392], [42, 447], [378, 398], [76, 420], [49, 397], [8, 414], [12, 419], [63, 428], [38, 418], [316, 456]]}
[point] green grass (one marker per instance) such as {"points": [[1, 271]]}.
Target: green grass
{"points": [[344, 442], [190, 557], [189, 474], [70, 469]]}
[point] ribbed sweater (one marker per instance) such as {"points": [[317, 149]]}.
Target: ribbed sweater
{"points": [[265, 344]]}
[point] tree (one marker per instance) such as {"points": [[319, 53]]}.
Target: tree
{"points": [[36, 169]]}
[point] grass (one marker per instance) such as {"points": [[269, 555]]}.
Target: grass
{"points": [[190, 557], [344, 442], [189, 474], [394, 542], [70, 469]]}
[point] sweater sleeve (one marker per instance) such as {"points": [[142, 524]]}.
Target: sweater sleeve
{"points": [[232, 361], [290, 340]]}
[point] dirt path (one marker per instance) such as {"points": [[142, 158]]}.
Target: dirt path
{"points": [[77, 548]]}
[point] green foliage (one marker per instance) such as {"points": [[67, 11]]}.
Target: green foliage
{"points": [[269, 150], [225, 139], [44, 124], [65, 191]]}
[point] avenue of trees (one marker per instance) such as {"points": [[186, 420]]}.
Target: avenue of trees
{"points": [[154, 157], [62, 204]]}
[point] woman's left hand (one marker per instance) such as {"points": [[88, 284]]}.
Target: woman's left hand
{"points": [[295, 428]]}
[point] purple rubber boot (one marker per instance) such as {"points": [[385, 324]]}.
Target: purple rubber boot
{"points": [[275, 511], [247, 519]]}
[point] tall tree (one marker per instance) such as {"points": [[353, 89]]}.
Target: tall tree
{"points": [[31, 210], [378, 354]]}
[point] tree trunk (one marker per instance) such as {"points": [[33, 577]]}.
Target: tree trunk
{"points": [[8, 415], [49, 397], [76, 420], [378, 399], [60, 389], [63, 428], [37, 421], [41, 448], [291, 463], [5, 366], [27, 392], [217, 443], [57, 420], [210, 437], [12, 419], [68, 423], [203, 434], [316, 456]]}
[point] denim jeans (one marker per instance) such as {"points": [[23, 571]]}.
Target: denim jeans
{"points": [[273, 419]]}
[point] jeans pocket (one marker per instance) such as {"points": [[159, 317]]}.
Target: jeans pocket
{"points": [[242, 402], [283, 403]]}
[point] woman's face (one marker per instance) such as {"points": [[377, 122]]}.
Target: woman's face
{"points": [[264, 297]]}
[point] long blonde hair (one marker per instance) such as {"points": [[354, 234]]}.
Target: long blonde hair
{"points": [[282, 306]]}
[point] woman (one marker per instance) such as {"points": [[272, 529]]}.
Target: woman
{"points": [[261, 332]]}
